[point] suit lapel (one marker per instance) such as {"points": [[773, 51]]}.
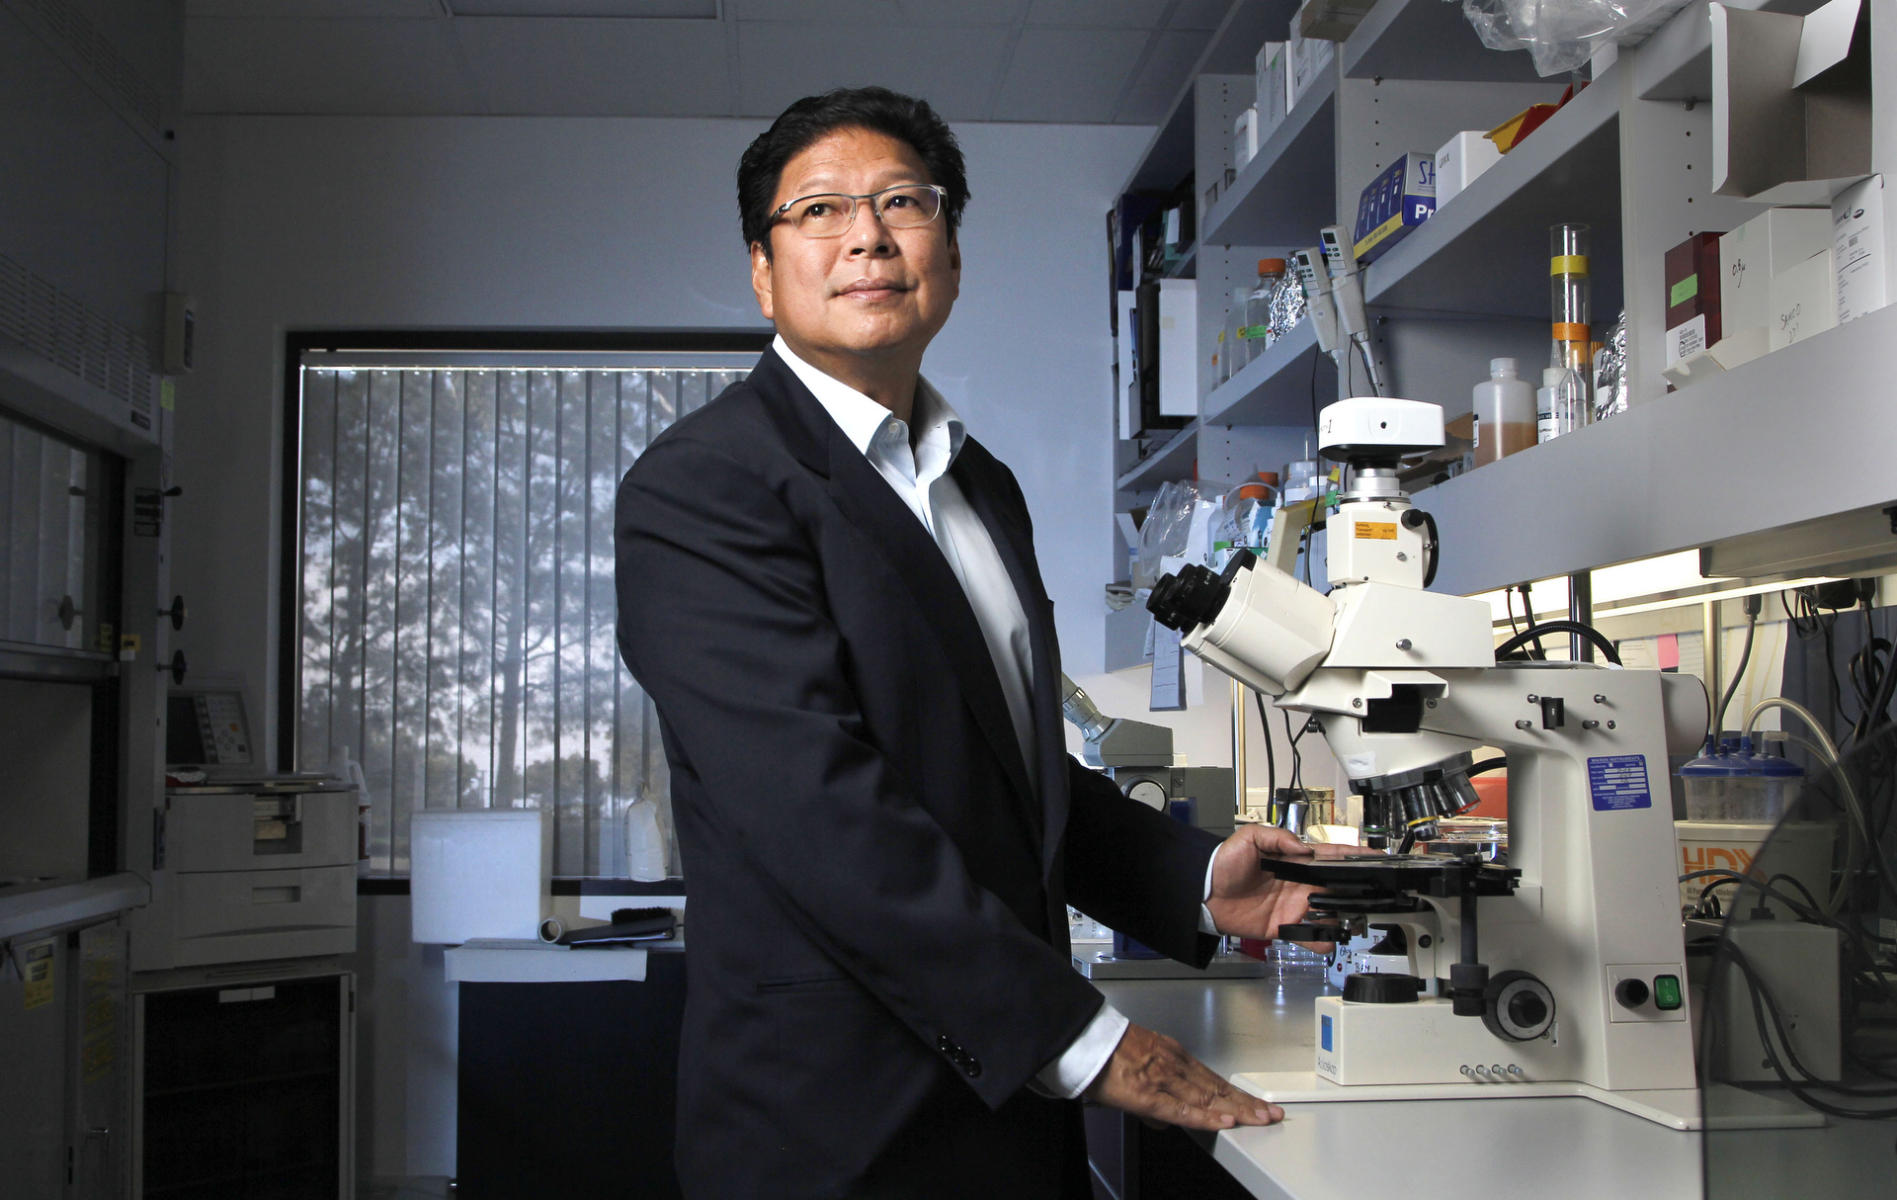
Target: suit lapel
{"points": [[866, 500], [984, 481]]}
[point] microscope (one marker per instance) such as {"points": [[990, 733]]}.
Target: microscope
{"points": [[1561, 972]]}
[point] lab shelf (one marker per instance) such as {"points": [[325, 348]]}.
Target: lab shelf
{"points": [[1275, 388], [1486, 251], [1289, 189], [1702, 466], [1233, 49], [1676, 63], [1428, 39], [1171, 460]]}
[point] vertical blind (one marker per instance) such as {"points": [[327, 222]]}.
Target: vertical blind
{"points": [[457, 599]]}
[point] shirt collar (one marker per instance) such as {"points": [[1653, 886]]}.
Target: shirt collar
{"points": [[940, 431]]}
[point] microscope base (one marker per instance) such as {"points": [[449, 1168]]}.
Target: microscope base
{"points": [[1674, 1108]]}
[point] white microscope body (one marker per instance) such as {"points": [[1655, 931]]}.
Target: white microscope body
{"points": [[1564, 972]]}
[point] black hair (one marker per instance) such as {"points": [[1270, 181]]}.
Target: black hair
{"points": [[878, 109]]}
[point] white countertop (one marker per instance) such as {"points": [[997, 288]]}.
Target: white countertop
{"points": [[1557, 1148], [62, 903]]}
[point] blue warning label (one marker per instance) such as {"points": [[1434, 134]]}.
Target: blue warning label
{"points": [[1618, 781]]}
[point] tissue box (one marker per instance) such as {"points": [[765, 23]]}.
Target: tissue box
{"points": [[1692, 297], [1460, 160], [1804, 301], [1751, 255], [479, 873], [1859, 253], [1397, 201]]}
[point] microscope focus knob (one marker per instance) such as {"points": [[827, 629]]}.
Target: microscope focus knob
{"points": [[1378, 987], [1517, 1006]]}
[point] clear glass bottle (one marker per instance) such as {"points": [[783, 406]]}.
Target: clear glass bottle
{"points": [[1506, 419]]}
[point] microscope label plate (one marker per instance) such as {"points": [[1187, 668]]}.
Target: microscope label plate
{"points": [[1617, 782]]}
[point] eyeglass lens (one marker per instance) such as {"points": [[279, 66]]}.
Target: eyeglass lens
{"points": [[830, 215]]}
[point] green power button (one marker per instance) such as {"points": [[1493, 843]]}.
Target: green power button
{"points": [[1666, 992]]}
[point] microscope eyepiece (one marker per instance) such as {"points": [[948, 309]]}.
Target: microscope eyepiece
{"points": [[1188, 599]]}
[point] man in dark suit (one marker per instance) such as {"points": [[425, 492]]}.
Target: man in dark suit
{"points": [[830, 592]]}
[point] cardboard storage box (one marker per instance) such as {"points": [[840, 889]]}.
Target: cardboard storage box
{"points": [[1692, 297], [1461, 159], [1791, 102], [1751, 255]]}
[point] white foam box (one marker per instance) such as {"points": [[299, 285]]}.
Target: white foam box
{"points": [[1307, 59], [1244, 138], [1749, 256], [479, 873], [1860, 253], [1273, 87], [1804, 301], [1461, 159]]}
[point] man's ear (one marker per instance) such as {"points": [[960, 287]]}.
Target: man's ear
{"points": [[761, 278]]}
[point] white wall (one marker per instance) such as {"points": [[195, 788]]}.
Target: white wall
{"points": [[305, 223]]}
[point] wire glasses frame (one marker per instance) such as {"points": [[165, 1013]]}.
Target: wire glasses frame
{"points": [[831, 214]]}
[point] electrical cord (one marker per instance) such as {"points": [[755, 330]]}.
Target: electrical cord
{"points": [[1535, 632], [1271, 757], [1297, 759], [1528, 615]]}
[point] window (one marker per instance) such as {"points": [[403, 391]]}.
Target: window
{"points": [[454, 585]]}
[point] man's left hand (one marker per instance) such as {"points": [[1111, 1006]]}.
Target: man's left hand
{"points": [[1249, 901]]}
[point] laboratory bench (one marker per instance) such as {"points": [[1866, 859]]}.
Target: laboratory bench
{"points": [[1565, 1148]]}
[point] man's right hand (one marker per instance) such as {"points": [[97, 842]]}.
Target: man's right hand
{"points": [[1151, 1076]]}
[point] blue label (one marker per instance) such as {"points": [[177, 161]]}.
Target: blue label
{"points": [[1618, 781], [1324, 1033]]}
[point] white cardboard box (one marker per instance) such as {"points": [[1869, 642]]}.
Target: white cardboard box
{"points": [[1461, 159], [1178, 348], [1308, 58], [1859, 251], [1274, 89], [1752, 254], [479, 873], [1804, 301]]}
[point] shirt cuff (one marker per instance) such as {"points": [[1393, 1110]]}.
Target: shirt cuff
{"points": [[1068, 1076], [1205, 914]]}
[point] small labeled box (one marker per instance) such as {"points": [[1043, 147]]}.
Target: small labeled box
{"points": [[1692, 296], [1460, 160], [1751, 255], [1804, 301], [1245, 138], [1397, 201]]}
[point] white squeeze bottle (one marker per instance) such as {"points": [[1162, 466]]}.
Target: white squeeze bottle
{"points": [[1505, 416]]}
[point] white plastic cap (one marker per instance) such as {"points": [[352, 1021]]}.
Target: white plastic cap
{"points": [[1502, 368]]}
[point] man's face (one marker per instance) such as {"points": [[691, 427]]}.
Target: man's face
{"points": [[859, 305]]}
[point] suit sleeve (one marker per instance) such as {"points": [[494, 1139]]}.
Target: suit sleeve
{"points": [[723, 619], [1135, 869]]}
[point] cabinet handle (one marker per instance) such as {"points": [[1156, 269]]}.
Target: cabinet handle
{"points": [[175, 612], [67, 612]]}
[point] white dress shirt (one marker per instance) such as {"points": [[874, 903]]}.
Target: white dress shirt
{"points": [[916, 463]]}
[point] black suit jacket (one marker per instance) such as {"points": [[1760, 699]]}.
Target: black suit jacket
{"points": [[878, 960]]}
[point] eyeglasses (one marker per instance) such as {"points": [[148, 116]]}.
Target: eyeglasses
{"points": [[830, 214]]}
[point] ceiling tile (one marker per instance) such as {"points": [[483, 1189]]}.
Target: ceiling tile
{"points": [[1068, 75], [323, 66], [1160, 78], [964, 12], [1100, 14], [647, 10], [586, 67], [312, 8], [954, 69], [879, 12]]}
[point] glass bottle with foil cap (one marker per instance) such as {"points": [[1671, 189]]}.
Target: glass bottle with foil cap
{"points": [[1570, 299]]}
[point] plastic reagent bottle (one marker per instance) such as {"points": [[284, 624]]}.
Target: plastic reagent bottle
{"points": [[1506, 419], [1561, 403]]}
